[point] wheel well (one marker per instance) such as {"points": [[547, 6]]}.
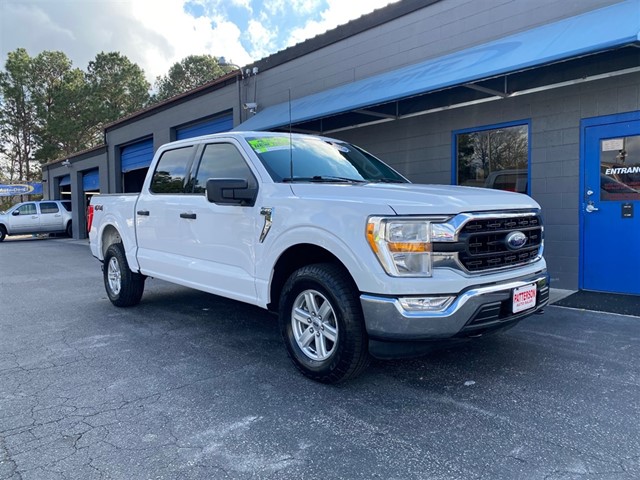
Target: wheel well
{"points": [[291, 260], [109, 236]]}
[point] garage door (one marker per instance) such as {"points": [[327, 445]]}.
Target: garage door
{"points": [[137, 155], [91, 180], [215, 125]]}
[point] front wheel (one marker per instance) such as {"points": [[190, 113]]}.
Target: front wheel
{"points": [[322, 324], [3, 232], [123, 286]]}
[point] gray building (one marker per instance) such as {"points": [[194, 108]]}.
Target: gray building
{"points": [[541, 97]]}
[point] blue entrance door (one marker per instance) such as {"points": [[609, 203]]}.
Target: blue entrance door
{"points": [[611, 207]]}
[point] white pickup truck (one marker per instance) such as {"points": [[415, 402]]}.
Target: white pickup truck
{"points": [[355, 259]]}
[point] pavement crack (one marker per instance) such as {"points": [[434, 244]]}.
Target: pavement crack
{"points": [[5, 457]]}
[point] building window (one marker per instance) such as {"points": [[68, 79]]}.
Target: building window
{"points": [[493, 157]]}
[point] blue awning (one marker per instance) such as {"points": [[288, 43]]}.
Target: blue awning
{"points": [[64, 181], [596, 31]]}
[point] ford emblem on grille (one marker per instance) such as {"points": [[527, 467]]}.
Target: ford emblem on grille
{"points": [[516, 240]]}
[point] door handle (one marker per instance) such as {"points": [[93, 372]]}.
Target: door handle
{"points": [[191, 216], [590, 208], [143, 213]]}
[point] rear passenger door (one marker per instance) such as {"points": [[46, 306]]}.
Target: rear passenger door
{"points": [[50, 217], [160, 228]]}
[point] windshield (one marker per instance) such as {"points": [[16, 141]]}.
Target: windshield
{"points": [[317, 160]]}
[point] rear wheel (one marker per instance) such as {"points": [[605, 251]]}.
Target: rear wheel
{"points": [[322, 324], [123, 286], [69, 230]]}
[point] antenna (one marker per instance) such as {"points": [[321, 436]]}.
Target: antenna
{"points": [[290, 141]]}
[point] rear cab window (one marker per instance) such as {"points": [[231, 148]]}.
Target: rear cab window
{"points": [[172, 171]]}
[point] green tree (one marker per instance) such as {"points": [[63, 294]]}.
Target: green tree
{"points": [[187, 74], [49, 72], [117, 88], [17, 117], [71, 121]]}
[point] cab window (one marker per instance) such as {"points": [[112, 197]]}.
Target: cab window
{"points": [[49, 207], [170, 175], [221, 160], [27, 209]]}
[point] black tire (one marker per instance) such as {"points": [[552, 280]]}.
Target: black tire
{"points": [[3, 232], [340, 344], [124, 287], [69, 230]]}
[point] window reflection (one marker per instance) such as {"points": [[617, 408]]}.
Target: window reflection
{"points": [[494, 158]]}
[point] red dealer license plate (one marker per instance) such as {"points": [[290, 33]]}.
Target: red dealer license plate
{"points": [[524, 298]]}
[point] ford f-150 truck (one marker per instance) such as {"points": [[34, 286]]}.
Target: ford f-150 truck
{"points": [[354, 258]]}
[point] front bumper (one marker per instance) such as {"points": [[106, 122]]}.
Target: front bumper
{"points": [[474, 311]]}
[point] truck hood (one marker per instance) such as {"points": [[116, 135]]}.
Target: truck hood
{"points": [[416, 199]]}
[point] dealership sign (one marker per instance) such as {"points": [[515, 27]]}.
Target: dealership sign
{"points": [[27, 188]]}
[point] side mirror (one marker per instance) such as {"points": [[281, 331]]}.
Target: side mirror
{"points": [[15, 213], [231, 191]]}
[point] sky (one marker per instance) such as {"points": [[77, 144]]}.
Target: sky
{"points": [[157, 33]]}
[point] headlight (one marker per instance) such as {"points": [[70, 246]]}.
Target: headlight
{"points": [[402, 245]]}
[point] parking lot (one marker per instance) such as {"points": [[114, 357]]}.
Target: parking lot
{"points": [[191, 386]]}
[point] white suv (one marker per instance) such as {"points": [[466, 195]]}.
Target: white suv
{"points": [[47, 216]]}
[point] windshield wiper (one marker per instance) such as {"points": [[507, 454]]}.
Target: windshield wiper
{"points": [[386, 180], [323, 179]]}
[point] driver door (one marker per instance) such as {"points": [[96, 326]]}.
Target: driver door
{"points": [[25, 219]]}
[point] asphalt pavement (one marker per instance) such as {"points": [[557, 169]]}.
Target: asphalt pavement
{"points": [[192, 386]]}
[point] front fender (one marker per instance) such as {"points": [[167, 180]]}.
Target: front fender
{"points": [[354, 255]]}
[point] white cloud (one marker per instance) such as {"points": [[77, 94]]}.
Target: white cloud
{"points": [[243, 3], [262, 39], [187, 35], [300, 7]]}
